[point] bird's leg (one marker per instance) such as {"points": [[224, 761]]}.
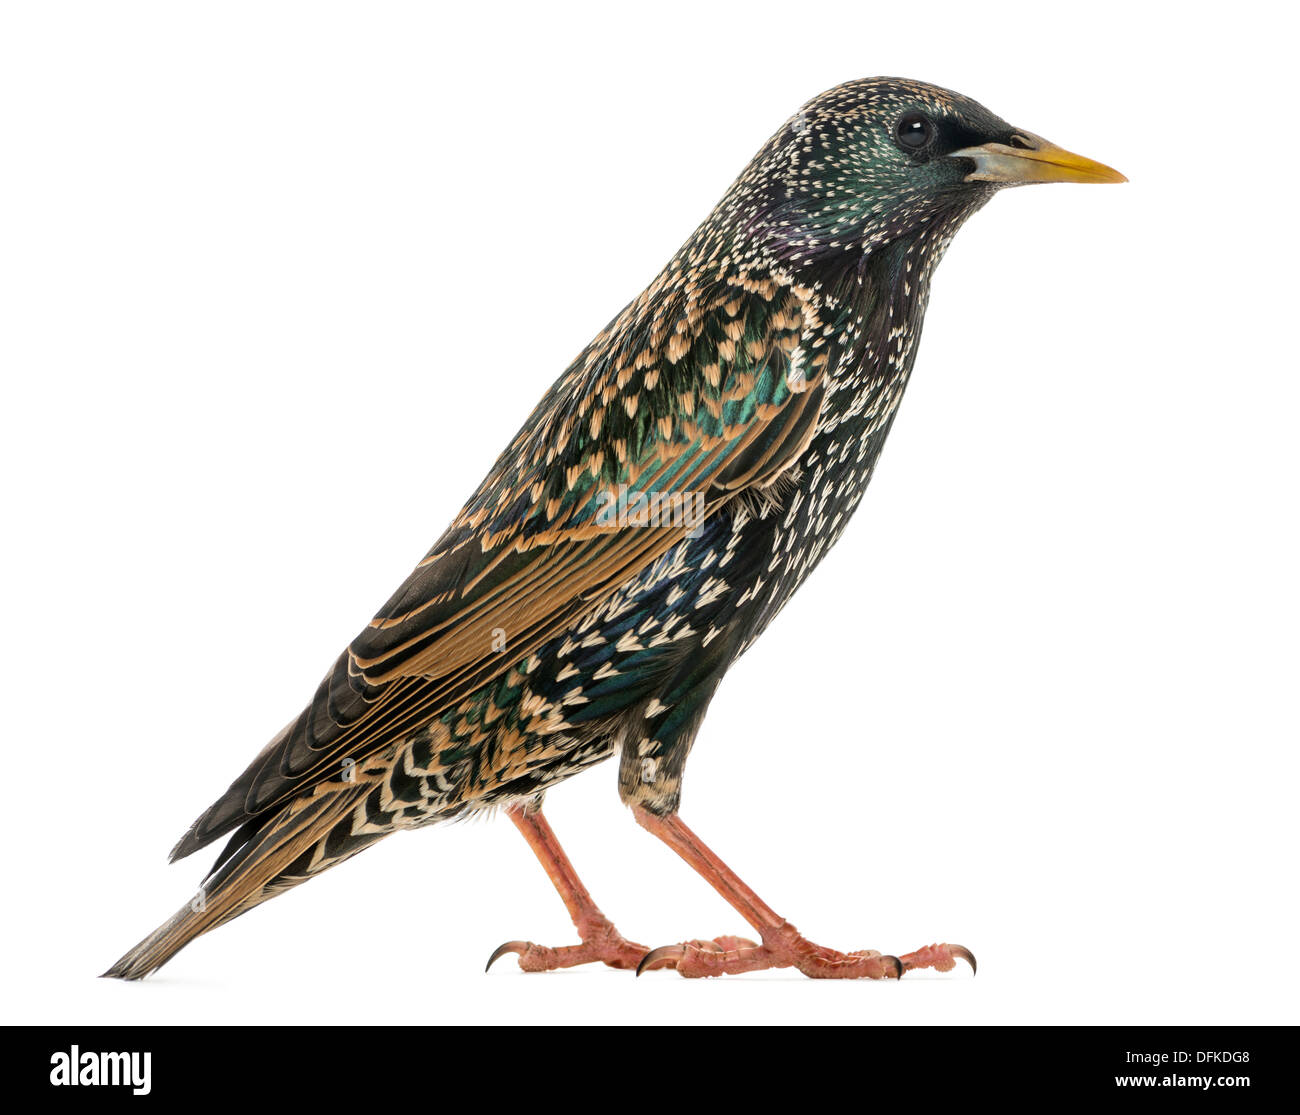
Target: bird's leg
{"points": [[782, 945], [600, 940]]}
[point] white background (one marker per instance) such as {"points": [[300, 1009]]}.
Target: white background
{"points": [[279, 281]]}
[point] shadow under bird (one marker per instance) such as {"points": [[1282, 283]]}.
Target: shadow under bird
{"points": [[660, 505]]}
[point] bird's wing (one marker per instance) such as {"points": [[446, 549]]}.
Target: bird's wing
{"points": [[695, 394]]}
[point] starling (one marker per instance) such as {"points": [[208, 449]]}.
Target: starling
{"points": [[671, 490]]}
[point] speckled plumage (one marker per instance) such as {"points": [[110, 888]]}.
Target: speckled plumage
{"points": [[760, 370]]}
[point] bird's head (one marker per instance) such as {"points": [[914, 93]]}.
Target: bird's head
{"points": [[874, 160]]}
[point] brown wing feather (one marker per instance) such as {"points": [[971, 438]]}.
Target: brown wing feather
{"points": [[527, 554]]}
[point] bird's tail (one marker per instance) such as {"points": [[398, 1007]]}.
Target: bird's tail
{"points": [[302, 839]]}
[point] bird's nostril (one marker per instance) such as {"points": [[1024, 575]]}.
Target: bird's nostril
{"points": [[1021, 142]]}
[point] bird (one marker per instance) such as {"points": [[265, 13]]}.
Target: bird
{"points": [[670, 492]]}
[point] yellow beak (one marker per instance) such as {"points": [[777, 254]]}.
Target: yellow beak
{"points": [[1035, 161]]}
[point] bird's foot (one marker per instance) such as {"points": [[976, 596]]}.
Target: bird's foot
{"points": [[784, 947], [601, 943]]}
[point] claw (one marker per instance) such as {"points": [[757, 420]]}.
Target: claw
{"points": [[898, 965], [518, 947], [942, 958], [965, 954], [651, 959]]}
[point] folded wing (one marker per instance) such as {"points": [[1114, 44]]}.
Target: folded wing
{"points": [[710, 391]]}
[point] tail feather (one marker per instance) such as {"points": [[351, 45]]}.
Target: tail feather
{"points": [[304, 838]]}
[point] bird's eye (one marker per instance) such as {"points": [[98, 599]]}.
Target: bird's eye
{"points": [[914, 131]]}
